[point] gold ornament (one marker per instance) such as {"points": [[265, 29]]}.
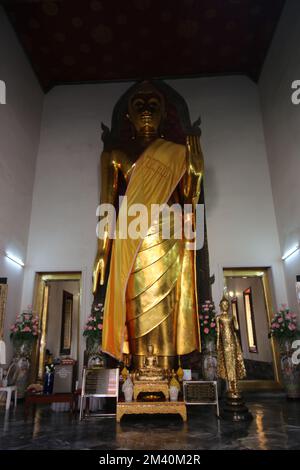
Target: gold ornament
{"points": [[180, 373], [124, 373], [174, 382]]}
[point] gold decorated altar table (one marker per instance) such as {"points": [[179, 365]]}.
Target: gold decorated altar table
{"points": [[141, 386], [147, 407]]}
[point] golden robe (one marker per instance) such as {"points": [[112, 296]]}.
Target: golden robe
{"points": [[151, 292], [231, 365]]}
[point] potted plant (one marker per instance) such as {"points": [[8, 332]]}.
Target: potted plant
{"points": [[284, 331], [207, 319], [93, 334]]}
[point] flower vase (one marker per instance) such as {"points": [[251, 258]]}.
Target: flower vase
{"points": [[290, 372], [92, 345], [94, 354], [20, 367], [48, 381], [209, 360], [23, 348], [174, 391], [127, 389]]}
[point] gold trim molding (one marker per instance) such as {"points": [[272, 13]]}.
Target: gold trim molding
{"points": [[264, 274], [141, 386], [40, 306]]}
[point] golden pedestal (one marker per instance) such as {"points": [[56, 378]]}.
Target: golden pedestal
{"points": [[150, 387], [158, 407]]}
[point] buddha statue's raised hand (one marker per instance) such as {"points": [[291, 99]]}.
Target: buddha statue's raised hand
{"points": [[99, 270], [194, 169]]}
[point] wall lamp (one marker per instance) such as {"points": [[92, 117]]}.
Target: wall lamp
{"points": [[290, 252], [15, 259]]}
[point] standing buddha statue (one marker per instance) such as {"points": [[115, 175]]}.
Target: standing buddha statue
{"points": [[230, 357], [231, 365], [151, 296]]}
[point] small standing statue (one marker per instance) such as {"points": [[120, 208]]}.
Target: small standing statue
{"points": [[127, 388], [231, 365]]}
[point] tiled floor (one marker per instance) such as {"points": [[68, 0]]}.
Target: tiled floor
{"points": [[276, 425]]}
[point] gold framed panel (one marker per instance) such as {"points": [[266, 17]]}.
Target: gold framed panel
{"points": [[40, 306], [66, 323], [264, 274]]}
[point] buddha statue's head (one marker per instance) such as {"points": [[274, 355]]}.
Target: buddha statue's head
{"points": [[224, 304], [150, 349], [146, 111]]}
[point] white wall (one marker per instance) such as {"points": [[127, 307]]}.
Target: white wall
{"points": [[19, 138], [282, 133], [241, 221]]}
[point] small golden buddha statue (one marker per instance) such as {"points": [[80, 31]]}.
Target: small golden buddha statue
{"points": [[150, 371], [230, 357], [231, 365]]}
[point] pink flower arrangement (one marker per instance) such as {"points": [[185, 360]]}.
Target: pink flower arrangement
{"points": [[26, 326], [284, 325], [94, 325], [207, 319]]}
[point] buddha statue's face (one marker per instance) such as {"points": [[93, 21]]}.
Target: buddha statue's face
{"points": [[150, 349], [146, 111], [224, 305]]}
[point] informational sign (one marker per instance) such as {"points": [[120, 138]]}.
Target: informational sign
{"points": [[102, 382], [200, 392], [98, 383]]}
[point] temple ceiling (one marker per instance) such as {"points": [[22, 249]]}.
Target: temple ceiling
{"points": [[71, 41]]}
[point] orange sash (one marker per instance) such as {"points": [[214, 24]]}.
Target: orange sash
{"points": [[156, 175]]}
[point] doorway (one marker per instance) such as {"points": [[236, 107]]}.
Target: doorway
{"points": [[57, 302], [251, 304]]}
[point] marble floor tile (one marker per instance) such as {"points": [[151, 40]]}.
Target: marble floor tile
{"points": [[276, 425]]}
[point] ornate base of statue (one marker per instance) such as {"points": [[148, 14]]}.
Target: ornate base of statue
{"points": [[162, 407], [150, 388], [152, 382], [234, 408]]}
